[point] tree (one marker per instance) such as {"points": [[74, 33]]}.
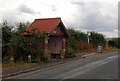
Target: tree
{"points": [[78, 40], [114, 42], [21, 27], [73, 44], [19, 46], [6, 36], [6, 32], [27, 45], [77, 35], [97, 39], [117, 42]]}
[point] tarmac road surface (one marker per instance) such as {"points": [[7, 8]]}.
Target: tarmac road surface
{"points": [[103, 66]]}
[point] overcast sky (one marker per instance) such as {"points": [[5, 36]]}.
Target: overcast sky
{"points": [[84, 15]]}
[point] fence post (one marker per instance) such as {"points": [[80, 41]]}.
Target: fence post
{"points": [[29, 58], [12, 59]]}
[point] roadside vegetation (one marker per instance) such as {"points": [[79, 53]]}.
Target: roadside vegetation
{"points": [[19, 47], [78, 42], [115, 42]]}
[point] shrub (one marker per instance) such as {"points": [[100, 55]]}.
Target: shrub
{"points": [[114, 42], [78, 40], [111, 43], [70, 53], [35, 60], [45, 58]]}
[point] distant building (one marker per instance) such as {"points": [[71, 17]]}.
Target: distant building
{"points": [[54, 47]]}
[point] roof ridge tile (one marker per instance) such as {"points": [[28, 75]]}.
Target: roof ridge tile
{"points": [[48, 18]]}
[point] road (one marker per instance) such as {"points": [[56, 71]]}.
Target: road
{"points": [[103, 66]]}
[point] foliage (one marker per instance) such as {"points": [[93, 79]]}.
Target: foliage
{"points": [[77, 35], [6, 32], [70, 53], [114, 42], [79, 41], [111, 43], [32, 45], [117, 42], [73, 43], [6, 36], [21, 46], [97, 39], [21, 27], [45, 59], [34, 60]]}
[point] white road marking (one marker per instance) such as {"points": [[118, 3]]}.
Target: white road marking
{"points": [[90, 66], [112, 57]]}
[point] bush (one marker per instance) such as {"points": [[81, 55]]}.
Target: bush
{"points": [[70, 53], [117, 42], [97, 39], [111, 43], [78, 41], [45, 58], [114, 42], [34, 60]]}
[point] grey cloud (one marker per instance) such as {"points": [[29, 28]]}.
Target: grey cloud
{"points": [[53, 7], [23, 8], [10, 20], [11, 17], [98, 23], [93, 19], [78, 3], [86, 15]]}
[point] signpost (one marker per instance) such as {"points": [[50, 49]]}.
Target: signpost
{"points": [[88, 35], [29, 58]]}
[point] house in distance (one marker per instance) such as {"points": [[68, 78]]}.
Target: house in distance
{"points": [[54, 47]]}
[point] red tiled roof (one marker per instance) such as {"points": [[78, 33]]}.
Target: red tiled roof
{"points": [[46, 24]]}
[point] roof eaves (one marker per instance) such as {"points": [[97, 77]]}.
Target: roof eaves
{"points": [[65, 29]]}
